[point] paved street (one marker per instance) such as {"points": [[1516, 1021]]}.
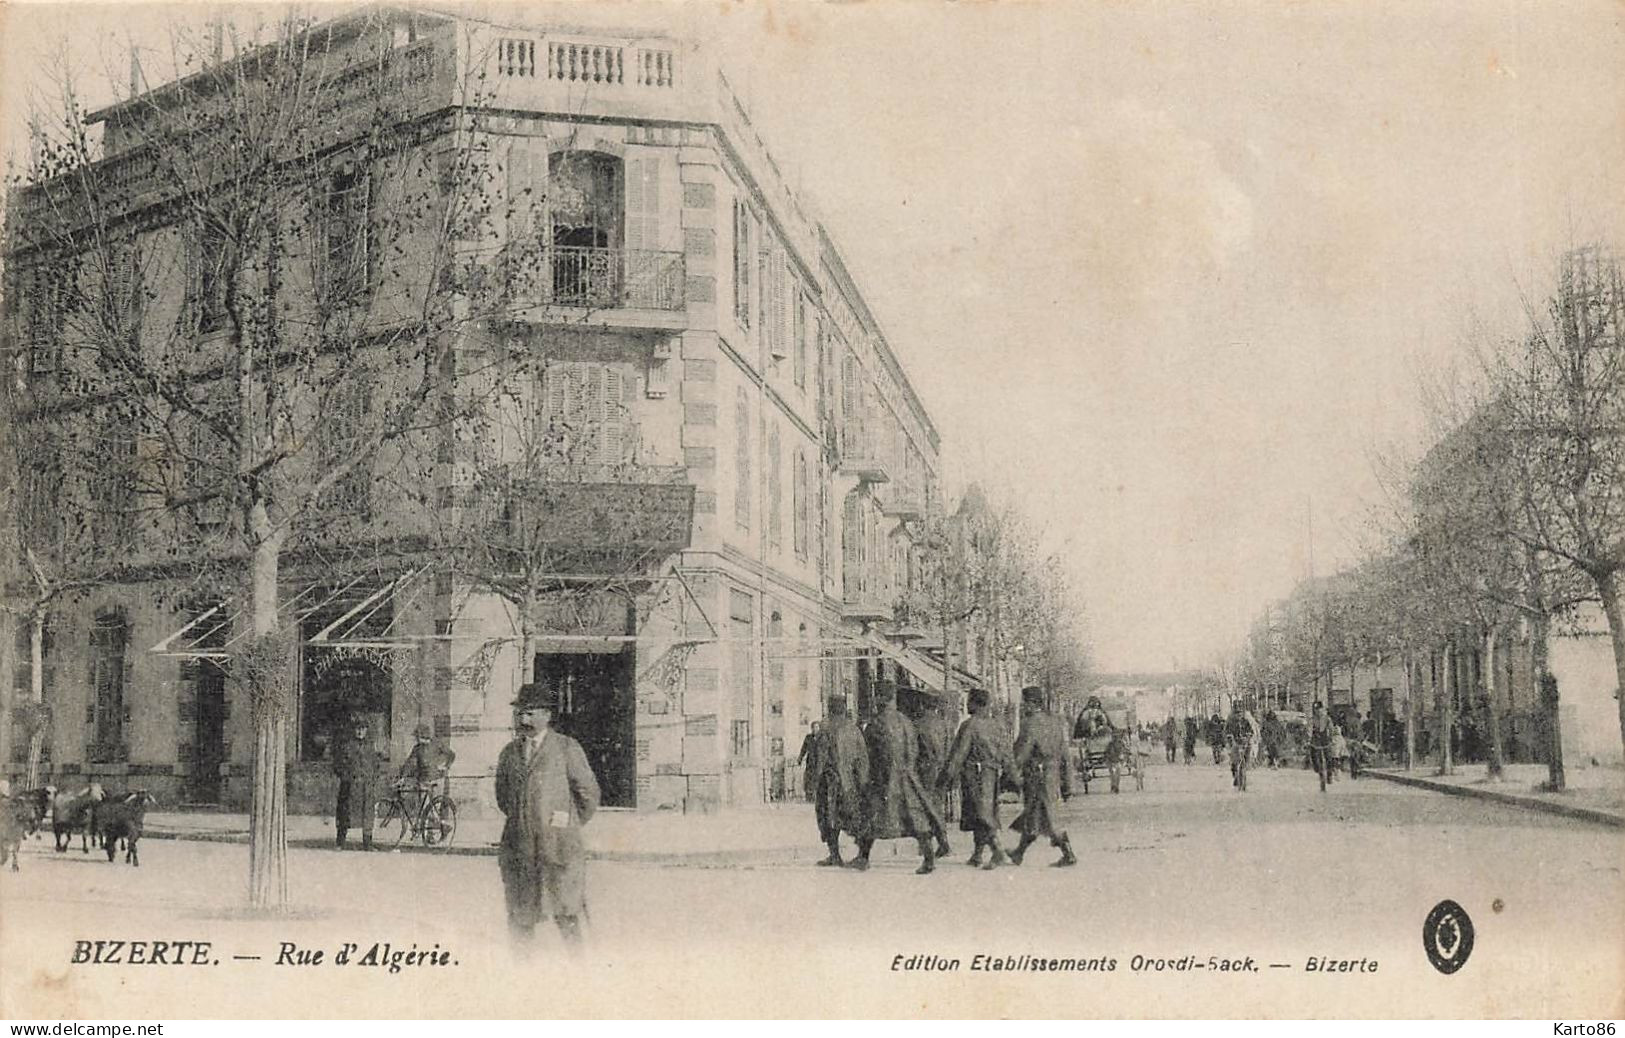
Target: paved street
{"points": [[1280, 873]]}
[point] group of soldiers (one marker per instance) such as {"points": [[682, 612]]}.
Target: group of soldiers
{"points": [[893, 778]]}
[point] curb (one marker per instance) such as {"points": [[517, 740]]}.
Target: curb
{"points": [[1588, 814], [695, 859]]}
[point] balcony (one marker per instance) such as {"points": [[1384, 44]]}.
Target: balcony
{"points": [[865, 450], [590, 278], [861, 609], [587, 75], [902, 500]]}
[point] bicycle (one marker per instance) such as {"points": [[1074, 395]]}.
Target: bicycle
{"points": [[433, 820]]}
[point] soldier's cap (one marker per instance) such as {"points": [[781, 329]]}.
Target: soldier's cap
{"points": [[1033, 694], [837, 708], [422, 731], [979, 698], [535, 696], [1093, 701]]}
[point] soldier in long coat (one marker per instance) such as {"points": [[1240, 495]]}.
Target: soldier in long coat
{"points": [[933, 732], [355, 762], [978, 757], [547, 790], [895, 802], [843, 774], [1046, 777]]}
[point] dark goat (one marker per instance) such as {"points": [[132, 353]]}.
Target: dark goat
{"points": [[120, 819], [31, 807], [71, 811]]}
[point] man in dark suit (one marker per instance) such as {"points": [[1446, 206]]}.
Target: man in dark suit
{"points": [[979, 755], [547, 790], [895, 802], [1046, 778], [355, 762], [843, 774]]}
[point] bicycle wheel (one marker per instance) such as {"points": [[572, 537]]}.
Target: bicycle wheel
{"points": [[390, 818], [439, 822]]}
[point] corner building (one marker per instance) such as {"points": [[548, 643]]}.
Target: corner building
{"points": [[740, 462]]}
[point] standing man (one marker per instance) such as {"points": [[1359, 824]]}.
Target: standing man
{"points": [[895, 803], [932, 729], [547, 790], [1170, 738], [839, 783], [1239, 731], [1046, 777], [356, 764], [977, 758], [1215, 737], [808, 759], [1320, 743]]}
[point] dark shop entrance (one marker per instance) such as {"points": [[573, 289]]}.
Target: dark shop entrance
{"points": [[598, 709]]}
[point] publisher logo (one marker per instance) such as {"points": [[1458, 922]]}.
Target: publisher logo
{"points": [[1447, 937]]}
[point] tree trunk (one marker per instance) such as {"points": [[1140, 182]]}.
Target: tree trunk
{"points": [[1492, 720], [1410, 716], [1446, 707], [36, 695], [1611, 589], [1540, 664], [268, 810]]}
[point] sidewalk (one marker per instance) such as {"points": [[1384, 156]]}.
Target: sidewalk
{"points": [[1596, 794], [784, 832]]}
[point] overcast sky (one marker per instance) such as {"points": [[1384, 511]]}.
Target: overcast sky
{"points": [[1170, 272]]}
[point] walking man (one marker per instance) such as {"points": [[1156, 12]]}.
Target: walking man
{"points": [[1215, 737], [1170, 738], [808, 759], [547, 790], [356, 764], [932, 729], [895, 803], [1320, 743], [975, 762], [842, 776], [1239, 731], [1046, 777], [1190, 740]]}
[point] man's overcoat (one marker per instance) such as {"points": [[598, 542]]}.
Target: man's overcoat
{"points": [[547, 799], [356, 764], [933, 733], [978, 756], [896, 802], [843, 775], [1041, 761]]}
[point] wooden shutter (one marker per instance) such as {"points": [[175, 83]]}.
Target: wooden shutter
{"points": [[612, 441], [775, 515], [742, 486], [643, 204]]}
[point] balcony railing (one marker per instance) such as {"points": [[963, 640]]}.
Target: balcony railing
{"points": [[598, 278]]}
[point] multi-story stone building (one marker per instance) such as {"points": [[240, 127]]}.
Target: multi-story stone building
{"points": [[732, 450]]}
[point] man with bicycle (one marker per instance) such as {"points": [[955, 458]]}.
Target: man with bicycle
{"points": [[426, 767]]}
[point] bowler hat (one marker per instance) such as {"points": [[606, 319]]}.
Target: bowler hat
{"points": [[534, 696], [1033, 694]]}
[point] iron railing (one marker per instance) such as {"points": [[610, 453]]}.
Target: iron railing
{"points": [[603, 278]]}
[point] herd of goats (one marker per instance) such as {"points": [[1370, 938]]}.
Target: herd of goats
{"points": [[112, 821]]}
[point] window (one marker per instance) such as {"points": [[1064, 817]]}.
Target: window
{"points": [[347, 233], [114, 487], [799, 362], [586, 206], [343, 434], [743, 255], [213, 278], [775, 494], [584, 417], [798, 504], [52, 302], [109, 680], [122, 290], [206, 467], [742, 487], [742, 663]]}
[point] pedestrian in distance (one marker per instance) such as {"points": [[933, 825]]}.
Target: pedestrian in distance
{"points": [[355, 762], [978, 757], [546, 790], [808, 758], [1190, 740], [1215, 737], [1273, 737], [1046, 778], [842, 777], [895, 802], [1239, 732], [1170, 738], [1320, 743]]}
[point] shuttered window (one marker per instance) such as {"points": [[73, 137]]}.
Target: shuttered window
{"points": [[743, 257], [798, 509], [585, 420], [742, 487], [343, 433], [799, 359], [775, 489], [347, 232]]}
